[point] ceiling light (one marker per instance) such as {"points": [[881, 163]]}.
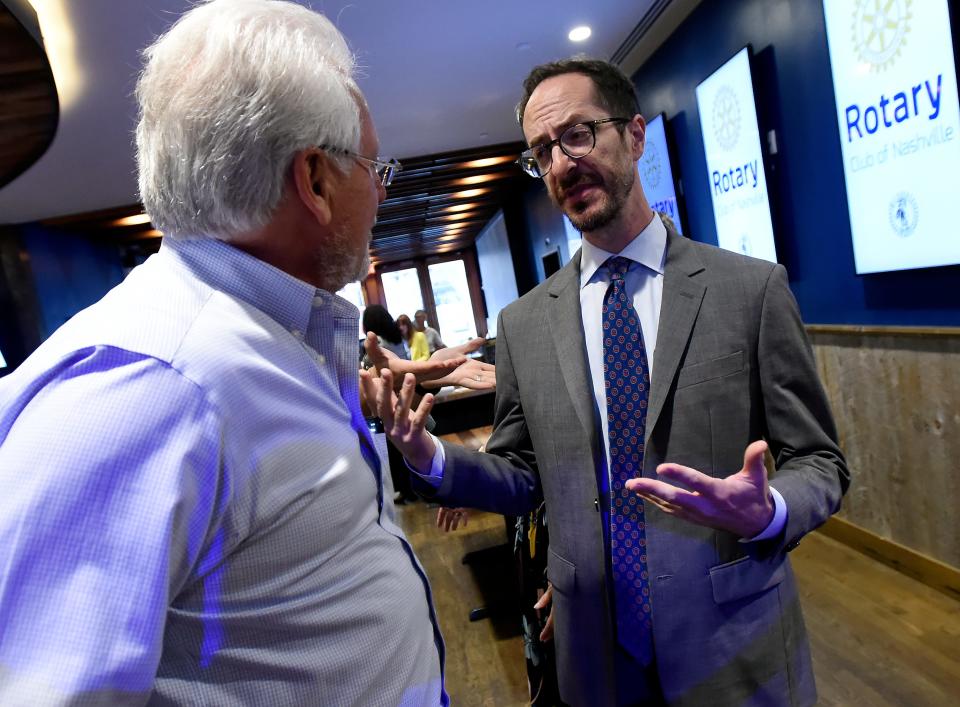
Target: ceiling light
{"points": [[578, 34], [456, 217], [460, 207], [469, 193], [477, 179], [136, 220], [60, 43], [488, 162]]}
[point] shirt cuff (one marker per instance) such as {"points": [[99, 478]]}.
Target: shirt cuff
{"points": [[776, 523], [435, 477]]}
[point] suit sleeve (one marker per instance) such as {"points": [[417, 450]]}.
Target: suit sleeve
{"points": [[504, 479], [812, 473]]}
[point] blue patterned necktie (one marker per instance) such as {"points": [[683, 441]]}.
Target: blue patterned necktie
{"points": [[627, 383]]}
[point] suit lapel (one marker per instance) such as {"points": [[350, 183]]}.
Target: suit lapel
{"points": [[682, 296], [566, 325]]}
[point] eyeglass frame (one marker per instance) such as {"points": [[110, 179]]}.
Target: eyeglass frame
{"points": [[548, 146], [391, 168]]}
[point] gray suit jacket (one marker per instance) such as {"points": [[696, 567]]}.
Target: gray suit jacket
{"points": [[732, 366]]}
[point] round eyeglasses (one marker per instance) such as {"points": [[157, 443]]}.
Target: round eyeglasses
{"points": [[576, 141], [385, 170]]}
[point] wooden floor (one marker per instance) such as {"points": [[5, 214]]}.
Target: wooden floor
{"points": [[878, 637]]}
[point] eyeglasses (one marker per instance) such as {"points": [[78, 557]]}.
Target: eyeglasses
{"points": [[385, 170], [576, 141]]}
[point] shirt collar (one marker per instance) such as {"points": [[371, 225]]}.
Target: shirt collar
{"points": [[280, 296], [648, 248]]}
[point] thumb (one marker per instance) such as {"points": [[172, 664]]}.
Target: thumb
{"points": [[753, 460]]}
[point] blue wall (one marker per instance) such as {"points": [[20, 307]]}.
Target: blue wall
{"points": [[70, 272], [795, 97], [545, 222]]}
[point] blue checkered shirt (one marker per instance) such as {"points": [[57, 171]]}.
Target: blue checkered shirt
{"points": [[190, 508]]}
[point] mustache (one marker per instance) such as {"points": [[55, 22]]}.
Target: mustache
{"points": [[578, 179]]}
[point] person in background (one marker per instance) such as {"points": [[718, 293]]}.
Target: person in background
{"points": [[638, 390], [377, 319], [434, 342], [192, 508], [414, 340]]}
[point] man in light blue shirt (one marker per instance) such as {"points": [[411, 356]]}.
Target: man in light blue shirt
{"points": [[193, 511]]}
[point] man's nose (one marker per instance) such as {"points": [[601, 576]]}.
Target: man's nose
{"points": [[560, 161]]}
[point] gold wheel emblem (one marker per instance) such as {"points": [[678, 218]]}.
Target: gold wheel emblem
{"points": [[880, 29]]}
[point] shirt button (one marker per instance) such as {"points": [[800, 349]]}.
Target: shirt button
{"points": [[297, 334], [318, 301], [321, 359]]}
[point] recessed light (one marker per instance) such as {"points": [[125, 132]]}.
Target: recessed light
{"points": [[135, 220], [578, 34]]}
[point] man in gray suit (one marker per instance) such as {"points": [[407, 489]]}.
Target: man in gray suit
{"points": [[668, 545]]}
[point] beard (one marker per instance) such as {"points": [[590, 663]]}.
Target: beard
{"points": [[342, 261], [614, 196]]}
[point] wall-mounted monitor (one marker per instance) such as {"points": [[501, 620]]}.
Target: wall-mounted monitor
{"points": [[735, 170], [497, 274], [657, 174], [895, 83]]}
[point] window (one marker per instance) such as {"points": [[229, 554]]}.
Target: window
{"points": [[451, 295], [401, 290], [353, 293]]}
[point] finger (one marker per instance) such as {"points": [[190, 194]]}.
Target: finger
{"points": [[662, 491], [546, 635], [440, 517], [371, 345], [668, 508], [431, 368], [471, 345], [368, 394], [753, 460], [545, 598], [385, 400], [419, 419], [689, 477], [406, 395]]}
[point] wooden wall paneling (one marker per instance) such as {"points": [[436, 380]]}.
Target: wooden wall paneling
{"points": [[895, 394]]}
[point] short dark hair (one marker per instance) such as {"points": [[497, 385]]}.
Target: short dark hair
{"points": [[614, 90]]}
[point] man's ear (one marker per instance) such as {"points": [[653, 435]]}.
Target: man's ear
{"points": [[637, 129], [313, 178]]}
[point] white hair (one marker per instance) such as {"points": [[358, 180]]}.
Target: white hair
{"points": [[227, 97]]}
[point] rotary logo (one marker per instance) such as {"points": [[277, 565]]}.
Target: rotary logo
{"points": [[880, 29], [650, 166], [726, 118], [904, 214]]}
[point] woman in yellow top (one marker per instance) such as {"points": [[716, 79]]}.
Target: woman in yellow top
{"points": [[415, 340]]}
